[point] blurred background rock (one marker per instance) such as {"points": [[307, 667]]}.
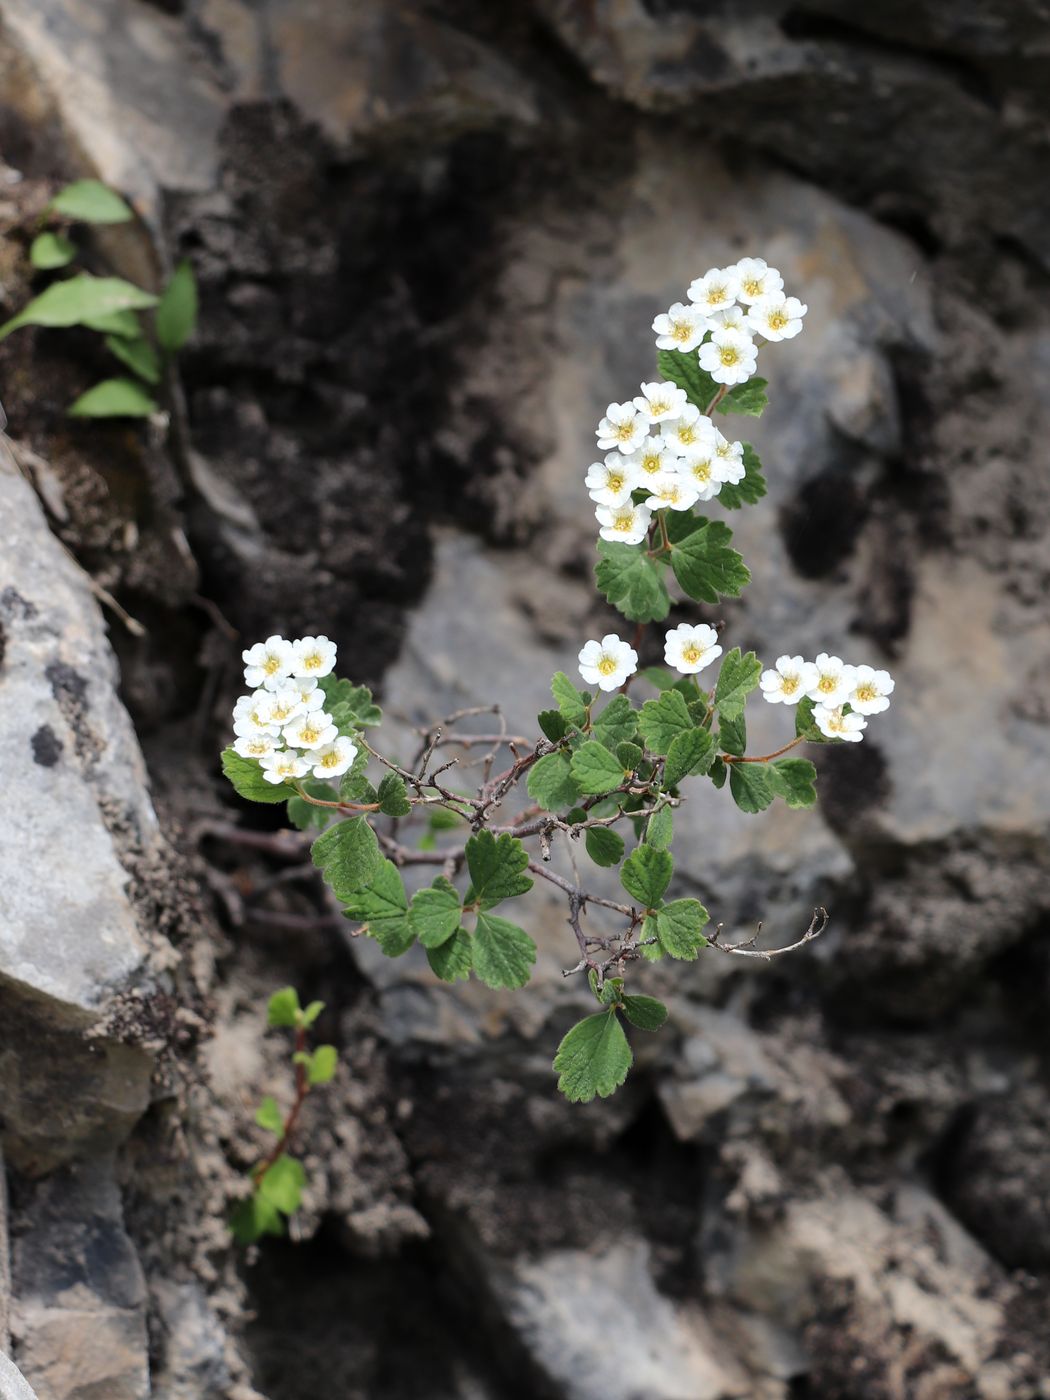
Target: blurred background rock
{"points": [[430, 239]]}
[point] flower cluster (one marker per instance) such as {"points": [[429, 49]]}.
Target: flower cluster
{"points": [[832, 685], [687, 648], [283, 723], [663, 446], [730, 306]]}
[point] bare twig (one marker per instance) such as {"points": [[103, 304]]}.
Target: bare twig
{"points": [[746, 948]]}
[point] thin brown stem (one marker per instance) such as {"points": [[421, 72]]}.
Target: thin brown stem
{"points": [[302, 1088], [762, 758]]}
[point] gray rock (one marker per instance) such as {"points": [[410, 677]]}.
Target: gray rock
{"points": [[69, 937], [80, 1316], [130, 98], [13, 1385], [656, 1351]]}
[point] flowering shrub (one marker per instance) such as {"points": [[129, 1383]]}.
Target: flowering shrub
{"points": [[603, 770]]}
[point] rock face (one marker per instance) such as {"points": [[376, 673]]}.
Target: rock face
{"points": [[430, 240]]}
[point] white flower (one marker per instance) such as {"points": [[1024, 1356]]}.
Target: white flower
{"points": [[789, 681], [681, 328], [653, 457], [728, 459], [688, 432], [283, 767], [716, 290], [307, 688], [611, 482], [314, 657], [689, 649], [607, 663], [833, 682], [757, 279], [268, 663], [777, 317], [733, 318], [835, 725], [332, 759], [285, 704], [259, 745], [672, 491], [871, 691], [701, 469], [622, 427], [626, 524], [660, 401], [729, 356], [310, 731], [253, 714]]}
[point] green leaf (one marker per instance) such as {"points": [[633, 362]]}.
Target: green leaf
{"points": [[646, 1013], [553, 724], [322, 1064], [304, 815], [753, 785], [737, 679], [652, 952], [383, 908], [91, 202], [682, 367], [632, 582], [660, 830], [139, 356], [805, 725], [646, 874], [732, 736], [393, 796], [177, 310], [442, 819], [656, 675], [706, 567], [247, 778], [617, 723], [435, 913], [609, 994], [595, 769], [269, 1116], [630, 756], [796, 779], [254, 1218], [604, 846], [690, 752], [311, 1013], [51, 250], [453, 960], [593, 1058], [503, 952], [495, 869], [718, 773], [662, 720], [114, 398], [572, 703], [282, 1185], [347, 855], [351, 706], [750, 398], [283, 1008], [122, 323], [679, 928], [751, 488], [77, 300], [551, 783]]}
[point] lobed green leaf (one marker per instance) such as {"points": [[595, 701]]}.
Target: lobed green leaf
{"points": [[646, 873], [632, 582], [593, 1058], [347, 855], [248, 781], [435, 913], [503, 952], [382, 906], [679, 927], [495, 867], [736, 680]]}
